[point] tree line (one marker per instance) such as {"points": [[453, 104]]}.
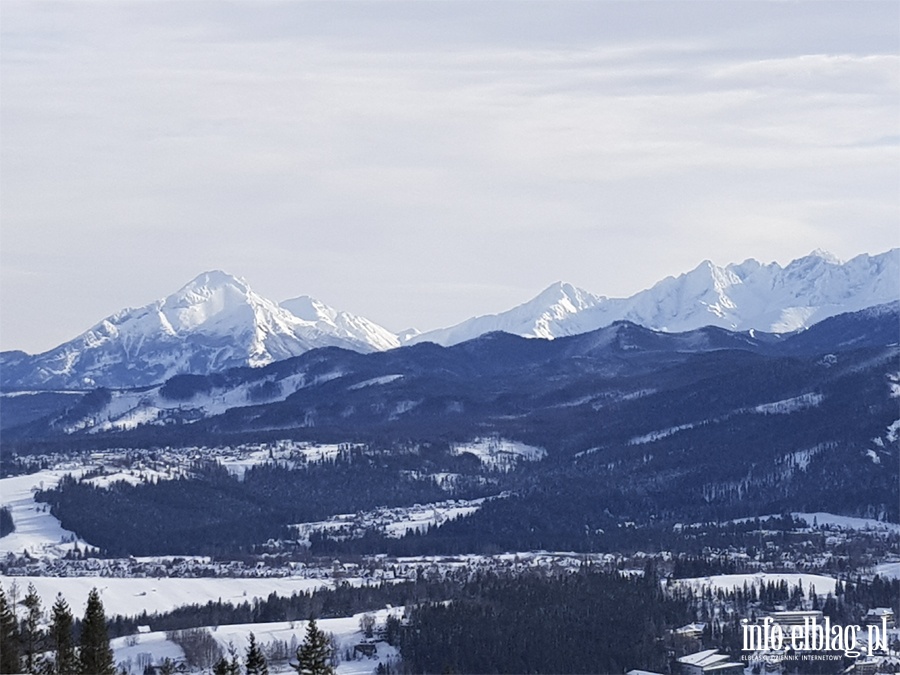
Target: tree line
{"points": [[27, 646]]}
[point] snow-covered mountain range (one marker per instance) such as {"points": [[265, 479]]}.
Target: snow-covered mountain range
{"points": [[740, 297], [213, 323], [217, 322]]}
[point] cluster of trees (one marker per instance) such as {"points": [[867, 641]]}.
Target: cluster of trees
{"points": [[315, 656], [25, 646], [213, 512], [344, 600], [578, 622], [7, 526]]}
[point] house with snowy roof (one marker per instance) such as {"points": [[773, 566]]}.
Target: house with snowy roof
{"points": [[691, 630], [709, 662], [875, 615]]}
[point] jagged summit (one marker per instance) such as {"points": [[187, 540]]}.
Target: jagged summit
{"points": [[744, 296], [342, 324], [827, 256]]}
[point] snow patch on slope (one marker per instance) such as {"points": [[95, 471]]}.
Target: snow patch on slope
{"points": [[499, 454], [392, 522], [789, 405], [727, 582]]}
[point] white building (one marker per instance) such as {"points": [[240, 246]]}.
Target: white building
{"points": [[709, 662]]}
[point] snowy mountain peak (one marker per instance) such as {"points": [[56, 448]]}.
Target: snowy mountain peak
{"points": [[215, 321], [343, 324], [213, 279], [744, 296], [307, 308], [827, 256], [210, 298], [567, 295]]}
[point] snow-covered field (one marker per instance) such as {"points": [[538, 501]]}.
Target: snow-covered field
{"points": [[393, 522], [823, 584], [500, 454], [888, 569], [37, 531], [136, 651], [241, 458], [133, 596], [847, 522], [831, 521], [135, 476]]}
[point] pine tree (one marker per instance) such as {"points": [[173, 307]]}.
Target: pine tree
{"points": [[33, 636], [255, 662], [95, 657], [314, 655], [9, 637], [224, 666], [221, 667], [61, 640]]}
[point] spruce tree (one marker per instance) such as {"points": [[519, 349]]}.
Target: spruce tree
{"points": [[33, 636], [255, 662], [94, 656], [65, 661], [224, 666], [314, 655], [9, 637], [221, 667]]}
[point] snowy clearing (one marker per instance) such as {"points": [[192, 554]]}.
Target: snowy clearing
{"points": [[37, 531], [888, 569], [238, 460], [847, 522], [824, 585], [392, 522], [500, 454], [135, 595]]}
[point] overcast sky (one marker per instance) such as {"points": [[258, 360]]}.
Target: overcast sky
{"points": [[422, 162]]}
